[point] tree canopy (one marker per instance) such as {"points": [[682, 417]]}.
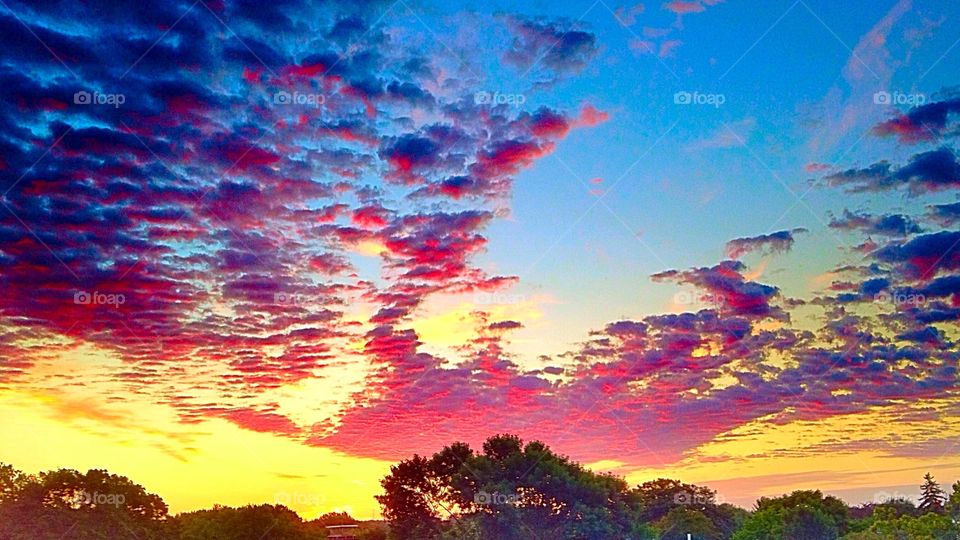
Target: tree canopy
{"points": [[95, 504], [509, 490]]}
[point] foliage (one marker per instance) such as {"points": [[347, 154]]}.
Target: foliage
{"points": [[929, 526], [251, 522], [802, 515], [898, 506], [762, 525], [681, 521], [868, 514], [953, 504], [661, 496], [93, 505], [334, 518], [510, 490]]}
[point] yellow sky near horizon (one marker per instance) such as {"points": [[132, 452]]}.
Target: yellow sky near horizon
{"points": [[69, 412], [195, 466]]}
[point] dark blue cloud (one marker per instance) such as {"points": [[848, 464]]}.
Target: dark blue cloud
{"points": [[933, 170]]}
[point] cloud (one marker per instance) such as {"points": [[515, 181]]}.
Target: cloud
{"points": [[628, 16], [255, 216], [683, 7], [554, 45], [888, 225], [727, 287], [927, 122], [946, 214], [934, 170], [214, 215], [776, 242], [924, 256]]}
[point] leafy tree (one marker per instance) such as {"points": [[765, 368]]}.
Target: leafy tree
{"points": [[468, 527], [510, 490], [929, 526], [807, 523], [95, 504], [662, 495], [953, 503], [802, 515], [932, 497], [682, 521], [252, 522], [410, 500], [726, 517], [762, 525], [335, 518], [659, 497], [899, 506], [12, 482], [865, 515]]}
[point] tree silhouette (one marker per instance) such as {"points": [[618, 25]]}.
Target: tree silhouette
{"points": [[252, 522], [931, 496], [661, 496], [682, 521], [95, 504], [509, 491]]}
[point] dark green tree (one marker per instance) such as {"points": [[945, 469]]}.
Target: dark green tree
{"points": [[808, 523], [900, 506], [509, 491], [802, 515], [928, 526], [95, 504], [659, 497], [682, 521], [411, 500], [662, 495], [252, 522]]}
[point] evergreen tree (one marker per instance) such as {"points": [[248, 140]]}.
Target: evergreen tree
{"points": [[931, 497]]}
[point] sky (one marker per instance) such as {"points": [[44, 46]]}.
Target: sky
{"points": [[258, 252]]}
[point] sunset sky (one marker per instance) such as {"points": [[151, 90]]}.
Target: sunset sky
{"points": [[259, 251]]}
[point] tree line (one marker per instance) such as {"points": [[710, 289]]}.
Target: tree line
{"points": [[68, 505], [515, 490], [507, 490]]}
